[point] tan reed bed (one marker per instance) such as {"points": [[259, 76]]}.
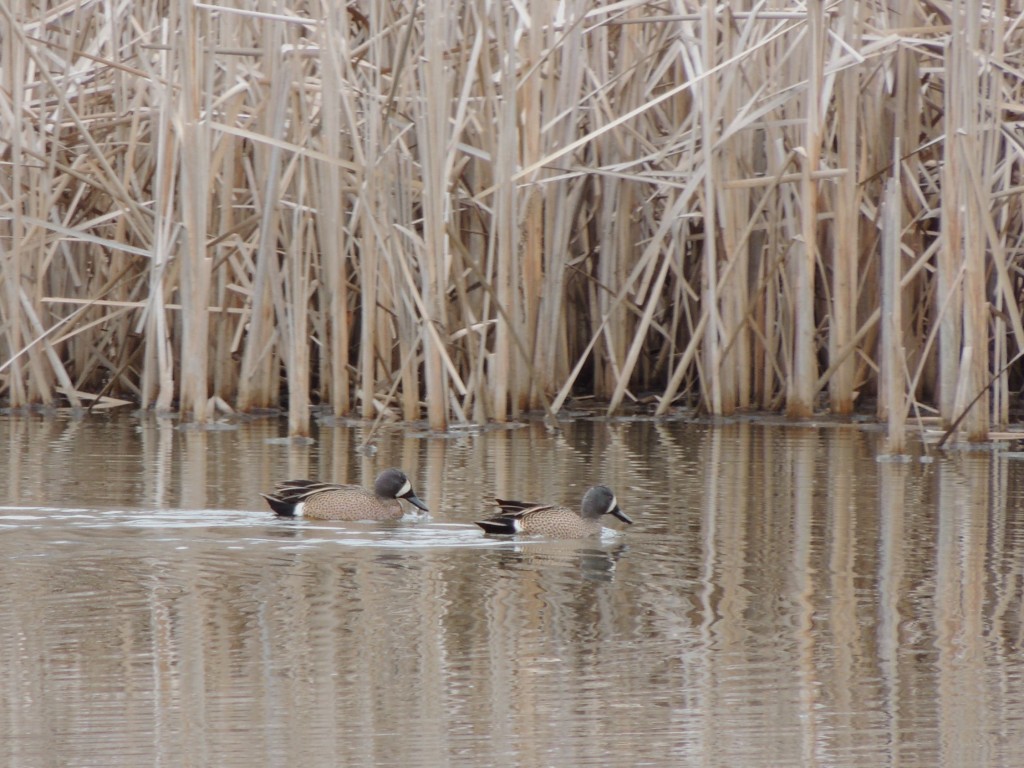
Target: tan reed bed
{"points": [[462, 212]]}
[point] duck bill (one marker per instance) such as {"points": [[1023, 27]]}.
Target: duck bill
{"points": [[621, 515], [413, 499]]}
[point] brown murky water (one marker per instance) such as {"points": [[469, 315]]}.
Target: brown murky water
{"points": [[784, 599]]}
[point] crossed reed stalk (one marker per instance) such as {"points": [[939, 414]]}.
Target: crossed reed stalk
{"points": [[416, 209]]}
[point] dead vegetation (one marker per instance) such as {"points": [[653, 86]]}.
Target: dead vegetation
{"points": [[462, 212]]}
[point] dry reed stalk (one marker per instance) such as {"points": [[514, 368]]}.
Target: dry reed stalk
{"points": [[157, 380], [257, 382], [948, 263], [225, 247], [14, 74], [336, 118], [800, 387], [436, 145], [535, 58], [714, 335], [368, 283], [892, 406], [616, 239], [738, 153], [845, 242], [292, 305], [907, 109], [962, 145], [196, 178], [371, 193], [399, 332], [503, 249]]}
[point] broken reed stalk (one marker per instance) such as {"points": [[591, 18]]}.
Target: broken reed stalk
{"points": [[463, 214]]}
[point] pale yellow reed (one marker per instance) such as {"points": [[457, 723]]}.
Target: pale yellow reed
{"points": [[465, 212]]}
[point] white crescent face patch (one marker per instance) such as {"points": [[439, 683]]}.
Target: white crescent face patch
{"points": [[613, 505], [406, 487]]}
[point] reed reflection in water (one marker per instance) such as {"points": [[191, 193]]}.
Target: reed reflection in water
{"points": [[784, 598]]}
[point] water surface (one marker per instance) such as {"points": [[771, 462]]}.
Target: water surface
{"points": [[784, 598]]}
